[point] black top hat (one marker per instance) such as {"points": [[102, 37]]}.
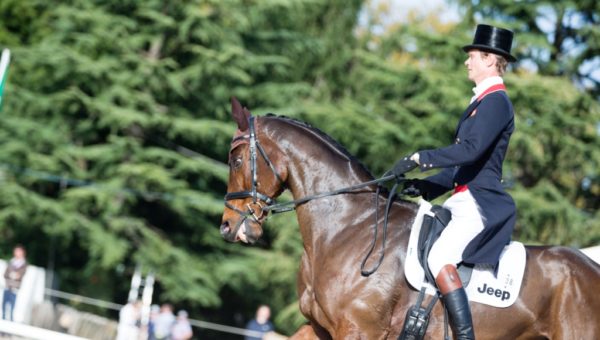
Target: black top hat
{"points": [[492, 39]]}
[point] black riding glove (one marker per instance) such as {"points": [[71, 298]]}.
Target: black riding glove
{"points": [[402, 166], [413, 188]]}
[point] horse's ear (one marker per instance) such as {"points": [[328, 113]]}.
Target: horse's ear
{"points": [[247, 113], [239, 114]]}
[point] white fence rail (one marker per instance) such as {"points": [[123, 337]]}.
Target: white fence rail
{"points": [[33, 333]]}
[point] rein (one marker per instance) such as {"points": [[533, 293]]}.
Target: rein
{"points": [[270, 204], [284, 206]]}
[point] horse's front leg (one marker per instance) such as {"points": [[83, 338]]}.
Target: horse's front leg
{"points": [[308, 332]]}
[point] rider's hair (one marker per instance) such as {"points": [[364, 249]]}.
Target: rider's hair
{"points": [[501, 62]]}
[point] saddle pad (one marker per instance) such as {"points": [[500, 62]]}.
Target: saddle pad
{"points": [[497, 291]]}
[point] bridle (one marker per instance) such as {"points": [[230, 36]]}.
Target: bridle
{"points": [[262, 204]]}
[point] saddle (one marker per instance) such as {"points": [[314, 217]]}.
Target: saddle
{"points": [[497, 287], [417, 317], [430, 231]]}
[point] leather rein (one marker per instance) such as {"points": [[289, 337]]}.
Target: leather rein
{"points": [[262, 204]]}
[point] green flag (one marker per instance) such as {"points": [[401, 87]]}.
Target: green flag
{"points": [[4, 61]]}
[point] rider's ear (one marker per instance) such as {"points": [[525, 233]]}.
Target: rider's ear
{"points": [[239, 114]]}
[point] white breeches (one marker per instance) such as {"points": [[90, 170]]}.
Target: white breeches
{"points": [[466, 223]]}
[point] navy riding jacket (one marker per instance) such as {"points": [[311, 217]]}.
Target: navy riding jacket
{"points": [[475, 159]]}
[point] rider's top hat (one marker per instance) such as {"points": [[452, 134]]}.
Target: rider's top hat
{"points": [[492, 39]]}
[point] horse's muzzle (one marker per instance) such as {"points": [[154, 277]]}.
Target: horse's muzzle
{"points": [[240, 232], [227, 232]]}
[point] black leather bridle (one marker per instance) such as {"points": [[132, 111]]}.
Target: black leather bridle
{"points": [[260, 201]]}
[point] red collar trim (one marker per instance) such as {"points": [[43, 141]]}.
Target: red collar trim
{"points": [[491, 89]]}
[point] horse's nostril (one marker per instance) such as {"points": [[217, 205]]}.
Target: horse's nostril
{"points": [[225, 229]]}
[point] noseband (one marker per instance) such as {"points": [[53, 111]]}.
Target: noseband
{"points": [[260, 202]]}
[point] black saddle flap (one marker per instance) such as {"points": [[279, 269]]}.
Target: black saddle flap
{"points": [[442, 214], [430, 231]]}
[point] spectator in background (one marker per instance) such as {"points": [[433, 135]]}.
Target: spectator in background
{"points": [[15, 270], [261, 323], [129, 317], [154, 311], [164, 322], [182, 330]]}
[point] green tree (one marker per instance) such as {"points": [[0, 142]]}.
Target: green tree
{"points": [[116, 129]]}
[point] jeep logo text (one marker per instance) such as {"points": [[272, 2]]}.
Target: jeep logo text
{"points": [[502, 294]]}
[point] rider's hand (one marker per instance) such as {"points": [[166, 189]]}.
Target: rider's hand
{"points": [[413, 188], [403, 166]]}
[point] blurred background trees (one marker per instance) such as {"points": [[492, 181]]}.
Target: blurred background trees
{"points": [[115, 128]]}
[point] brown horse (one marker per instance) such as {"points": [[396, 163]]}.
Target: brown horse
{"points": [[559, 296]]}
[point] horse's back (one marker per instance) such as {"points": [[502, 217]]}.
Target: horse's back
{"points": [[561, 288], [563, 262]]}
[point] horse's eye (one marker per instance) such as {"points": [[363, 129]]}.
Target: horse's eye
{"points": [[237, 163]]}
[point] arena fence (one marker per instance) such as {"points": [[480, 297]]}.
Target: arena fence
{"points": [[115, 306], [21, 331]]}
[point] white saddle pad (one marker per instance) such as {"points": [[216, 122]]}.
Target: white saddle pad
{"points": [[498, 291]]}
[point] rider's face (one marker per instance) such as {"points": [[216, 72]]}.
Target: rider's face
{"points": [[478, 66]]}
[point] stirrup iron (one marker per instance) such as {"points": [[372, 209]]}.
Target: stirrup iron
{"points": [[417, 319]]}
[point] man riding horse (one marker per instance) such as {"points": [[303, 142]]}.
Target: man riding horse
{"points": [[483, 214]]}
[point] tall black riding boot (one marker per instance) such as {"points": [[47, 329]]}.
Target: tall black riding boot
{"points": [[460, 314], [456, 302]]}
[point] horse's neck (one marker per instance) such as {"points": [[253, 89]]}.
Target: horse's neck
{"points": [[315, 166]]}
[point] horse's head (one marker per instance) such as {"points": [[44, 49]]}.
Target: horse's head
{"points": [[257, 175]]}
